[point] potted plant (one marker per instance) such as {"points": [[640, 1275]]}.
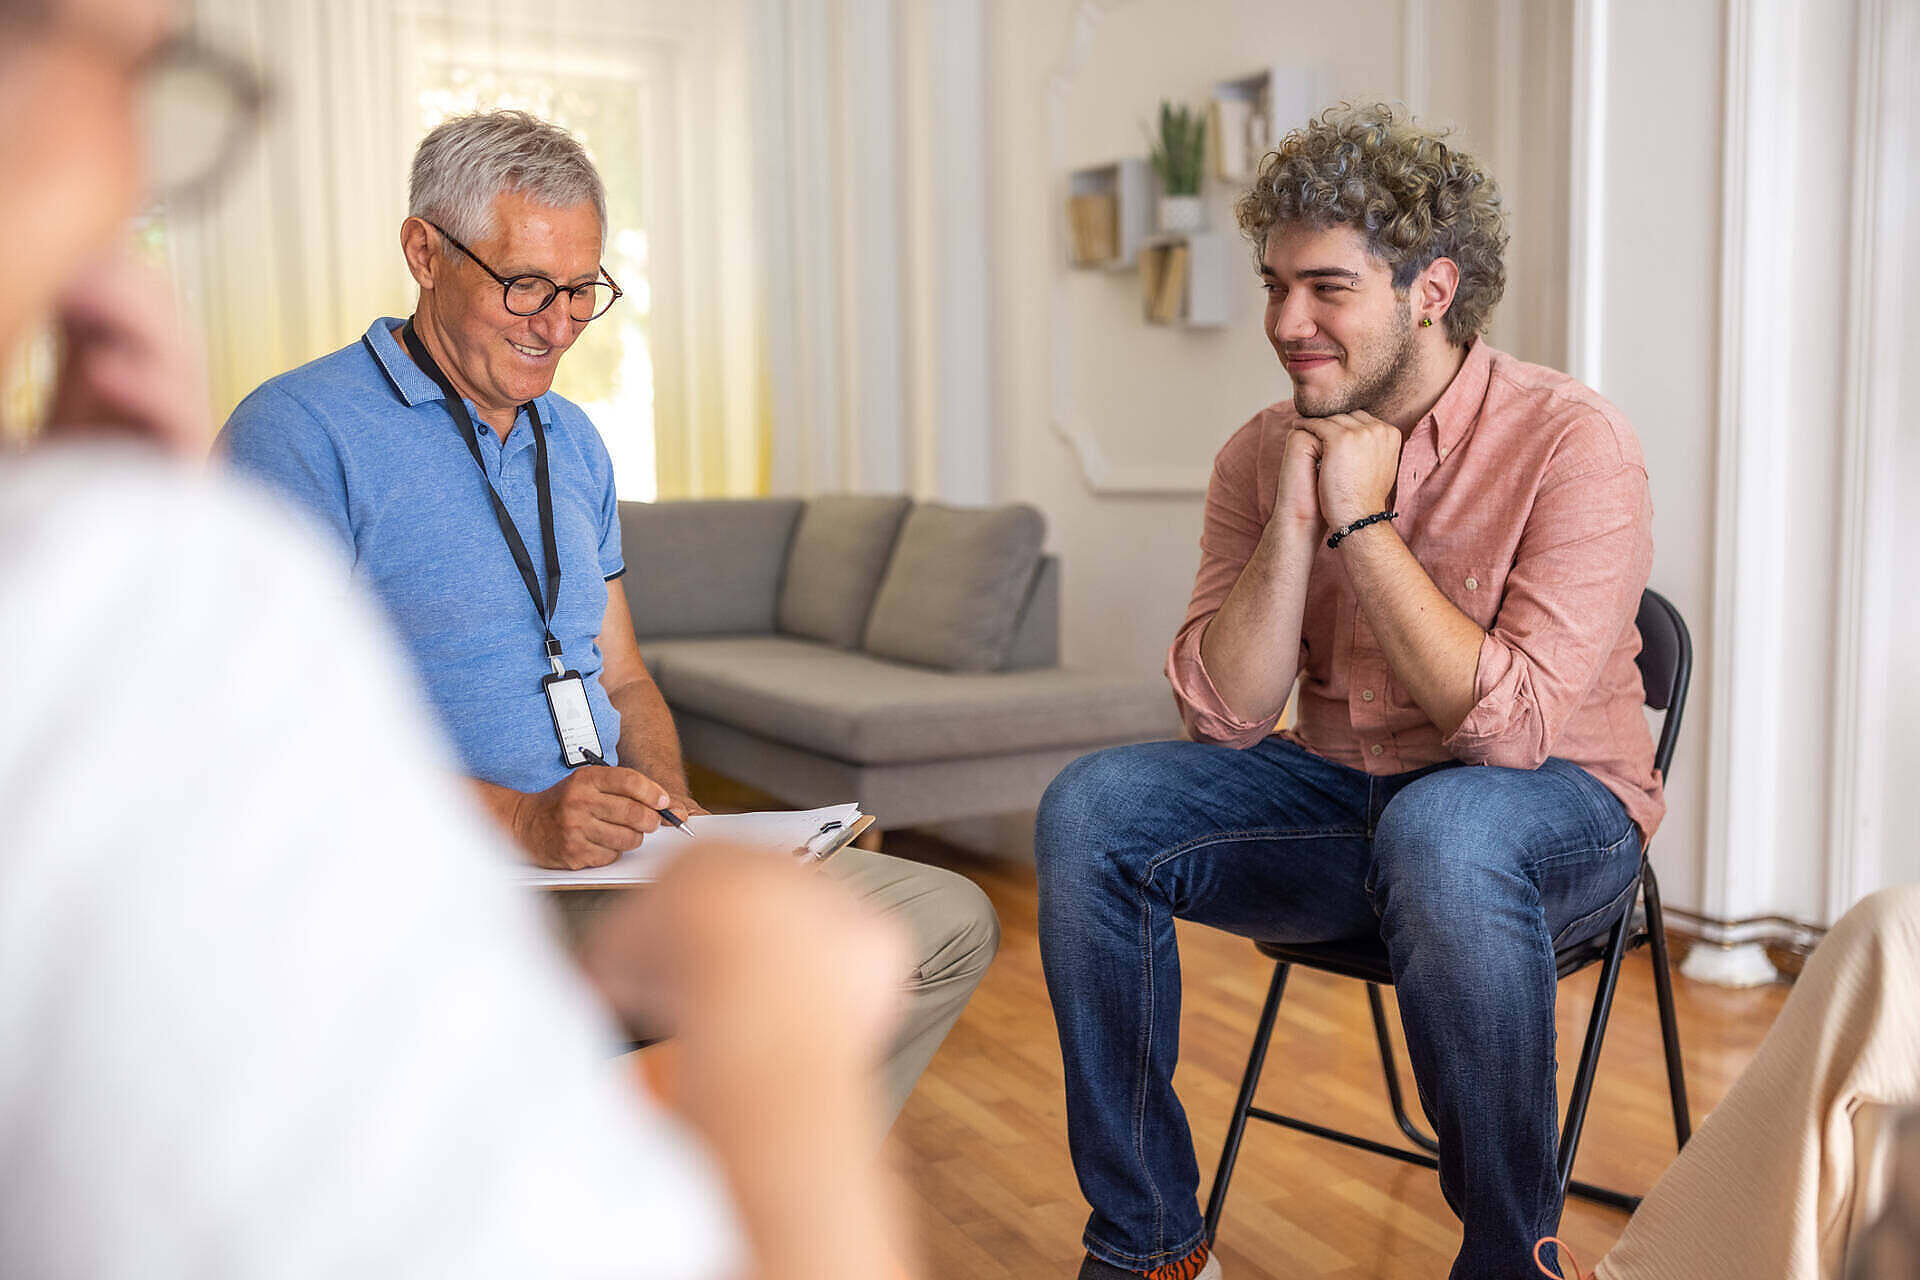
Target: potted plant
{"points": [[1179, 157]]}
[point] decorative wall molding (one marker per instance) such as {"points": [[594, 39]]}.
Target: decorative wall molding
{"points": [[1863, 638], [1587, 191], [1752, 444]]}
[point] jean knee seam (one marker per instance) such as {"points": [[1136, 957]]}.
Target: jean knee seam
{"points": [[1245, 834], [1586, 850]]}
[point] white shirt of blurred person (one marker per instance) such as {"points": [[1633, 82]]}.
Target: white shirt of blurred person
{"points": [[367, 442], [235, 1046]]}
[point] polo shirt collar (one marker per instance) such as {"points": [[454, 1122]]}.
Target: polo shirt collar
{"points": [[1459, 407], [409, 381]]}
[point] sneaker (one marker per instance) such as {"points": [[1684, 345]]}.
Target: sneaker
{"points": [[1094, 1269]]}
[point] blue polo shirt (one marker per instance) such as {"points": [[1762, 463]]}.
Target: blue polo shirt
{"points": [[363, 440]]}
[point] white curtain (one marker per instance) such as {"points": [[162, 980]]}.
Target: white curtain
{"points": [[870, 139], [303, 252]]}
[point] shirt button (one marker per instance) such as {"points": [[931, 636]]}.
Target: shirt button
{"points": [[1445, 452], [1366, 695], [1377, 749], [1473, 584]]}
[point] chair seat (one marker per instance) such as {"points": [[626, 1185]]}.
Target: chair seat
{"points": [[1366, 958]]}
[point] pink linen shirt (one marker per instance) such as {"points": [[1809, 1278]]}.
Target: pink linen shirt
{"points": [[1524, 496]]}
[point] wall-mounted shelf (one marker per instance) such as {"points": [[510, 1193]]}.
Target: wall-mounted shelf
{"points": [[1249, 115], [1109, 209], [1183, 280]]}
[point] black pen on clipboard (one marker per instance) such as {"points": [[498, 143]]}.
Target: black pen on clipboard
{"points": [[667, 816]]}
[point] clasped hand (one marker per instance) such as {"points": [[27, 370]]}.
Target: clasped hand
{"points": [[1338, 469]]}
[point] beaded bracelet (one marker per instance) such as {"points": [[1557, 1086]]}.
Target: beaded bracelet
{"points": [[1340, 535]]}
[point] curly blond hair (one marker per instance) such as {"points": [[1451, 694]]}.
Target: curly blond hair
{"points": [[1411, 195]]}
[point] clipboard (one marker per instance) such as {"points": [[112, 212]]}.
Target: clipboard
{"points": [[644, 864], [841, 839]]}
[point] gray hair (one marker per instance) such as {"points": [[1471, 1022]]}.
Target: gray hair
{"points": [[466, 161]]}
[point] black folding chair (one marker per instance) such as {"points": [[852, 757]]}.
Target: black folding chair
{"points": [[1666, 666]]}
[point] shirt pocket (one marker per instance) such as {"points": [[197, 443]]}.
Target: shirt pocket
{"points": [[1471, 585]]}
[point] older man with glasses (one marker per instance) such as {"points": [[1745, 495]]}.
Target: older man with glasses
{"points": [[481, 508]]}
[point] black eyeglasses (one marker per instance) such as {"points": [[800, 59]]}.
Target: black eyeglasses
{"points": [[529, 295]]}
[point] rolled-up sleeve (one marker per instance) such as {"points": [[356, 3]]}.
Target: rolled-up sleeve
{"points": [[1231, 531], [1575, 587]]}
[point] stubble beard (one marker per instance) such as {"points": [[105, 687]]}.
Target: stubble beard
{"points": [[1384, 365]]}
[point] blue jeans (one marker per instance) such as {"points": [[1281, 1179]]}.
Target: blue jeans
{"points": [[1470, 876]]}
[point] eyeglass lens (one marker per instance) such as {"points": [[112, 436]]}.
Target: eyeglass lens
{"points": [[528, 295]]}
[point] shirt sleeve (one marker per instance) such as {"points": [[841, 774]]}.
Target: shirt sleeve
{"points": [[1575, 586], [276, 439], [613, 560], [1231, 530]]}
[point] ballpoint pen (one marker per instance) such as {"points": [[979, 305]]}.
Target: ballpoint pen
{"points": [[667, 816]]}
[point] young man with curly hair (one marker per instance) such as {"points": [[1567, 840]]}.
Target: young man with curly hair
{"points": [[1445, 548]]}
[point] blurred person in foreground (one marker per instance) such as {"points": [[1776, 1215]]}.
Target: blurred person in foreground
{"points": [[1817, 1139], [234, 1045], [479, 506]]}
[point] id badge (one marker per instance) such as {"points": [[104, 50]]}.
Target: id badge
{"points": [[572, 718]]}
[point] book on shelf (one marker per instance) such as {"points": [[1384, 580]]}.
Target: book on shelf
{"points": [[1093, 222], [1227, 132], [1164, 282]]}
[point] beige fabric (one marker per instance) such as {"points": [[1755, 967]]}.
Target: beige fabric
{"points": [[1770, 1186], [952, 934]]}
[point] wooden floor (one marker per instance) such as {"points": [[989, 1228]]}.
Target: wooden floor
{"points": [[982, 1146]]}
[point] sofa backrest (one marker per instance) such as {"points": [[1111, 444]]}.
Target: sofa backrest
{"points": [[1036, 637], [706, 567], [720, 567]]}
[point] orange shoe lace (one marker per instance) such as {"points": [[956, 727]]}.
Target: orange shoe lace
{"points": [[1566, 1256]]}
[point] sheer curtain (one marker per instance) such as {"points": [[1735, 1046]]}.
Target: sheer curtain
{"points": [[304, 250]]}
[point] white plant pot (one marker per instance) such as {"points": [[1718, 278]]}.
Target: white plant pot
{"points": [[1182, 213]]}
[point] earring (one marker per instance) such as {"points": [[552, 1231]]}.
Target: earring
{"points": [[1426, 322]]}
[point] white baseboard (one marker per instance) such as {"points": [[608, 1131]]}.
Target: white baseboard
{"points": [[1743, 965]]}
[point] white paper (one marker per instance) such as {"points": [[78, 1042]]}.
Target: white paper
{"points": [[782, 831]]}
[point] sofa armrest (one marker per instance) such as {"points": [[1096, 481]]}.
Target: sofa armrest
{"points": [[1036, 636]]}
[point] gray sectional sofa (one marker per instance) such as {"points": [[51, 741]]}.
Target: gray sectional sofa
{"points": [[869, 648]]}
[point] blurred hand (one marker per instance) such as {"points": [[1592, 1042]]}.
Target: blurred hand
{"points": [[126, 366], [590, 817], [750, 948]]}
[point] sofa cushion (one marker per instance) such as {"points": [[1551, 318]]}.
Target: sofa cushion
{"points": [[864, 710], [705, 568], [839, 552], [955, 585]]}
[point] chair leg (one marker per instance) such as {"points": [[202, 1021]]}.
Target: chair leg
{"points": [[1237, 1126], [1669, 1025], [1388, 1064], [1582, 1092]]}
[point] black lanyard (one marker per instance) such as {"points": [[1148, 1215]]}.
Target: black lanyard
{"points": [[542, 487]]}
